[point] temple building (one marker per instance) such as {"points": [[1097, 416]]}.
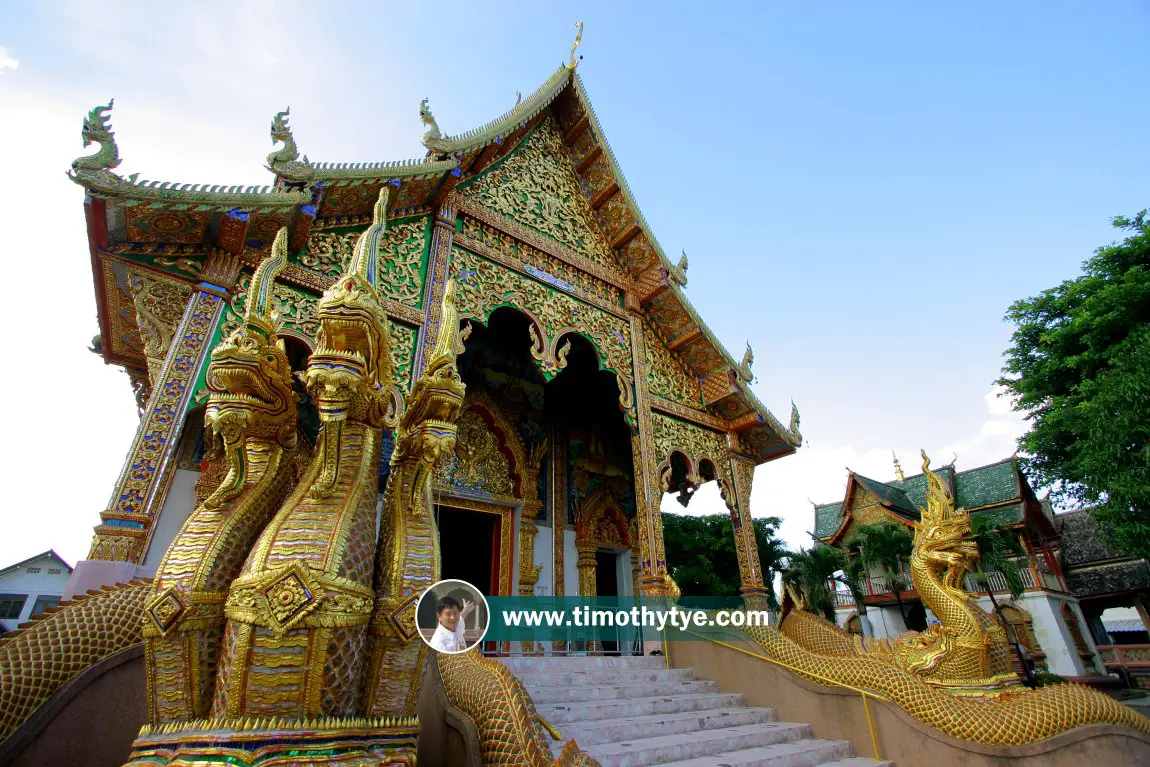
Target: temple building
{"points": [[592, 384], [1047, 620]]}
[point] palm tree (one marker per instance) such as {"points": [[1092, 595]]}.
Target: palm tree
{"points": [[999, 549], [853, 574], [887, 546], [812, 571]]}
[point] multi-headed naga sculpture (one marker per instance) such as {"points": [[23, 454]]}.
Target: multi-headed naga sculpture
{"points": [[955, 677]]}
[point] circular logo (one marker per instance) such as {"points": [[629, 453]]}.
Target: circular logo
{"points": [[452, 616]]}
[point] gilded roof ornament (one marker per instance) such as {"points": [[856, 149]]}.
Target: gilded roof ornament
{"points": [[794, 425], [97, 167], [897, 467], [285, 162], [432, 137], [744, 368], [578, 36], [678, 273]]}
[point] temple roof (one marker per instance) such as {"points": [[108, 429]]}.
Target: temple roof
{"points": [[309, 196], [995, 488]]}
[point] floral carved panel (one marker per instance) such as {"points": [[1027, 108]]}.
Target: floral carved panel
{"points": [[536, 185]]}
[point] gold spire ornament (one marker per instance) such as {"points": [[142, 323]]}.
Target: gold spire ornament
{"points": [[578, 36], [897, 467]]}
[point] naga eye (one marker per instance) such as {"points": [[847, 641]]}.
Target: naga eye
{"points": [[270, 358]]}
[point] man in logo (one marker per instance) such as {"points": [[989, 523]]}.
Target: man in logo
{"points": [[448, 635]]}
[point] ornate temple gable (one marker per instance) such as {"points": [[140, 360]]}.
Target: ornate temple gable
{"points": [[296, 311], [667, 377], [483, 286], [496, 245], [536, 186]]}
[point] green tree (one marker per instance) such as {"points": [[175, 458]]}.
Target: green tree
{"points": [[1079, 367], [888, 547], [813, 572], [702, 557]]}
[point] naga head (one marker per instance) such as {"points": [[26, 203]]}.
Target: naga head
{"points": [[249, 370], [249, 381], [944, 533], [98, 129], [280, 131], [427, 429], [350, 372]]}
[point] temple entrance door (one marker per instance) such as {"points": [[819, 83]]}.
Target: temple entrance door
{"points": [[607, 585], [469, 548]]}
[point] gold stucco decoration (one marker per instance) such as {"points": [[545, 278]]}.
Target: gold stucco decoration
{"points": [[536, 186]]}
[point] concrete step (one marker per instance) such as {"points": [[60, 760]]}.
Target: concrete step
{"points": [[809, 752], [634, 728], [857, 761], [593, 692], [560, 714], [599, 676], [528, 663], [669, 748]]}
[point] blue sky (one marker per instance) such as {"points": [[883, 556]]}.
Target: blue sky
{"points": [[862, 188]]}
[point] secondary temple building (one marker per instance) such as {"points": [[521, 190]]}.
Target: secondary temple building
{"points": [[1046, 620], [593, 386]]}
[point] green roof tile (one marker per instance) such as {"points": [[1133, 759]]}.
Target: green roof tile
{"points": [[987, 485], [828, 517], [895, 496]]}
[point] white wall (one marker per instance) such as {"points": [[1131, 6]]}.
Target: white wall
{"points": [[34, 585], [544, 555], [179, 504]]}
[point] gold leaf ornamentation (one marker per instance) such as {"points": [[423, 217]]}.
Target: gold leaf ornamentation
{"points": [[536, 186], [477, 464], [484, 286], [400, 259], [666, 376]]}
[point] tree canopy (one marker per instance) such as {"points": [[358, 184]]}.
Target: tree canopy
{"points": [[1079, 367], [701, 552]]}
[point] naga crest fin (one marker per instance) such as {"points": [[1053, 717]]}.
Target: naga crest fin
{"points": [[260, 295], [366, 254]]}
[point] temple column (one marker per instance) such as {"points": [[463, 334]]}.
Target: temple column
{"points": [[126, 524], [654, 580], [532, 505], [557, 503], [439, 259], [587, 587], [755, 592]]}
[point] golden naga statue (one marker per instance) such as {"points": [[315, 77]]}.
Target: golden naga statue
{"points": [[955, 677], [252, 411]]}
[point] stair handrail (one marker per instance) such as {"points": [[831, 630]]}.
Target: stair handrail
{"points": [[802, 672]]}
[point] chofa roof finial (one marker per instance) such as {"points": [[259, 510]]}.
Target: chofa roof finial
{"points": [[578, 36], [897, 467]]}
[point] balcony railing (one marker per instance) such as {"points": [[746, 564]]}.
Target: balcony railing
{"points": [[1125, 656], [879, 585]]}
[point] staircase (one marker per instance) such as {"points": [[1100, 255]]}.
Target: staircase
{"points": [[631, 711]]}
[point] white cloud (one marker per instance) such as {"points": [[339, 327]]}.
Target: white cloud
{"points": [[7, 61]]}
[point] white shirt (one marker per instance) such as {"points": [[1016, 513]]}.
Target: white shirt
{"points": [[448, 641]]}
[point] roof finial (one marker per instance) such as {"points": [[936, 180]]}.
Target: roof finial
{"points": [[285, 162], [432, 138], [897, 467], [794, 426], [578, 36], [518, 98], [743, 370], [97, 128], [678, 273]]}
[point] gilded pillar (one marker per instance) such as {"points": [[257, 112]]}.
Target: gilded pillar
{"points": [[558, 486], [439, 260], [738, 499], [653, 561], [532, 505], [126, 524]]}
